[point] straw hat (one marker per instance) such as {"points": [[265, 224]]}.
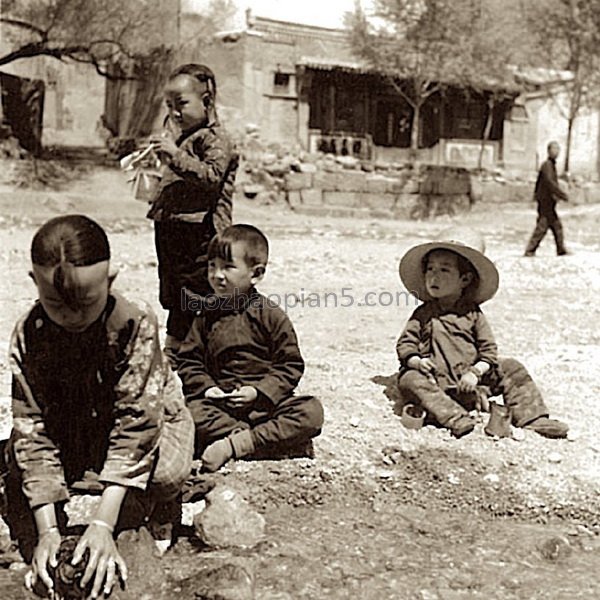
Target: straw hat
{"points": [[462, 240]]}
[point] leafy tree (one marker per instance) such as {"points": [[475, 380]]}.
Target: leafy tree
{"points": [[90, 31], [567, 36], [424, 46]]}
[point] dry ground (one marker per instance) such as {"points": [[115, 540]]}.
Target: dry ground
{"points": [[384, 512]]}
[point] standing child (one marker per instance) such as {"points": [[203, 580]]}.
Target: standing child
{"points": [[194, 199], [95, 407], [241, 363], [447, 350]]}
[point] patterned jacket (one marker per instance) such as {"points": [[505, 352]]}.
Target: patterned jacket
{"points": [[198, 181], [99, 401]]}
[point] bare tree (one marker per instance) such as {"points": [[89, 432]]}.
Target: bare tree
{"points": [[424, 46]]}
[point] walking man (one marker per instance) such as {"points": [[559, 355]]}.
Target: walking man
{"points": [[547, 193]]}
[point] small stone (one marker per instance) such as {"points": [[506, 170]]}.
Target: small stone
{"points": [[355, 421], [229, 521], [348, 162], [511, 584], [555, 457], [518, 435], [555, 548], [572, 436], [81, 508], [453, 479], [385, 474], [189, 510], [227, 582], [491, 478]]}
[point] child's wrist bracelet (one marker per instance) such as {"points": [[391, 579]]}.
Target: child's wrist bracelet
{"points": [[102, 523], [48, 530]]}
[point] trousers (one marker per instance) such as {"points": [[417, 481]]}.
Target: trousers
{"points": [[547, 220], [293, 420], [514, 383]]}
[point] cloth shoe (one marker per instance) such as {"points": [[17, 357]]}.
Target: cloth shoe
{"points": [[461, 426], [216, 455], [550, 428]]}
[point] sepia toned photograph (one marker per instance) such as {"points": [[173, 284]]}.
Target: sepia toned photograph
{"points": [[299, 299]]}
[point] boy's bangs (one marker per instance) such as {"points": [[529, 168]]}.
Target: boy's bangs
{"points": [[219, 248]]}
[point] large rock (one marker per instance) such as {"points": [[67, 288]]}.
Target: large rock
{"points": [[229, 521], [351, 181], [298, 181], [146, 574]]}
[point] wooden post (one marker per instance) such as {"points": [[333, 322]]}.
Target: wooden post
{"points": [[331, 111]]}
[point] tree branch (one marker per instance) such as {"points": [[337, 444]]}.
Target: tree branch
{"points": [[25, 25], [91, 60]]}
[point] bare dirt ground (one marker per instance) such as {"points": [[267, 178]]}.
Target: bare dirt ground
{"points": [[383, 512]]}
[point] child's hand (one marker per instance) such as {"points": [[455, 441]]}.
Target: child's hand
{"points": [[165, 143], [468, 382], [45, 553], [245, 395], [426, 366], [215, 393], [103, 562]]}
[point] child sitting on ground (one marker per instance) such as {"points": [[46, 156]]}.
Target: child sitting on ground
{"points": [[447, 352], [96, 408], [241, 363], [193, 200]]}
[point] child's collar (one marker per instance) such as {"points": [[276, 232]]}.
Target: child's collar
{"points": [[461, 306], [194, 130]]}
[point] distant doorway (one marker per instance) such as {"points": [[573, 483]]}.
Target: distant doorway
{"points": [[393, 124]]}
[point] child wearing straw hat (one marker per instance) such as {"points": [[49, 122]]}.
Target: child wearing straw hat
{"points": [[448, 355]]}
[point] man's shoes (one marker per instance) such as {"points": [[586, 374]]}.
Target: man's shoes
{"points": [[461, 426], [564, 253], [529, 254], [550, 428]]}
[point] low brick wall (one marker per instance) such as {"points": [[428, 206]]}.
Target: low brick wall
{"points": [[399, 194]]}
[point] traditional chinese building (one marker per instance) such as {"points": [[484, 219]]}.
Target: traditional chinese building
{"points": [[300, 84]]}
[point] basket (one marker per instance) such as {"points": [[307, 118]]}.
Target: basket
{"points": [[145, 165], [412, 417]]}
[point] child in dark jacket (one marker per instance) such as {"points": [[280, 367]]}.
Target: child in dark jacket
{"points": [[241, 363], [448, 356], [95, 407], [194, 198]]}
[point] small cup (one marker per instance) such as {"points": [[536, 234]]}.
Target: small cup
{"points": [[412, 417]]}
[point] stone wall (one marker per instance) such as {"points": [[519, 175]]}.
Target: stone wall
{"points": [[344, 185]]}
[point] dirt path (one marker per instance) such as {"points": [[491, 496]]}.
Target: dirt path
{"points": [[383, 512]]}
